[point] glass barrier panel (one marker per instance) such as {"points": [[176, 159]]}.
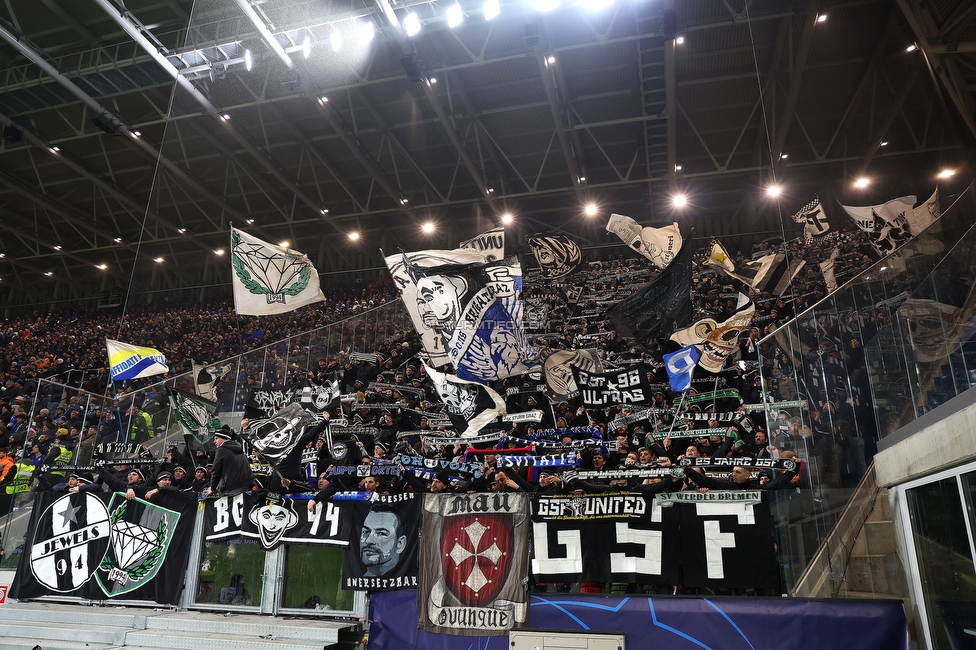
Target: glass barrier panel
{"points": [[313, 579], [14, 529], [231, 574]]}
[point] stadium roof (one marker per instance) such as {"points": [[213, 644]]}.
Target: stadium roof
{"points": [[139, 133]]}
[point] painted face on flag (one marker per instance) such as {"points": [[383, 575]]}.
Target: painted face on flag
{"points": [[443, 294], [272, 521], [381, 541], [717, 347], [557, 256]]}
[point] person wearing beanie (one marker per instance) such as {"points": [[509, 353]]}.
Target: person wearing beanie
{"points": [[231, 470], [441, 483], [133, 484], [200, 480]]}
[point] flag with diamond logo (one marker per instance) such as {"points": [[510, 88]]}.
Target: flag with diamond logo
{"points": [[474, 569], [95, 545], [270, 279]]}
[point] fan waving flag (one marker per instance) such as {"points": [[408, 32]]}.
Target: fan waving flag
{"points": [[133, 361], [814, 219], [270, 279]]}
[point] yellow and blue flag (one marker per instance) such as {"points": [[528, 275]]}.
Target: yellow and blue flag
{"points": [[132, 361]]}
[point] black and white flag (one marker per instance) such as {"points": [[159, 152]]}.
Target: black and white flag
{"points": [[318, 398], [699, 331], [659, 307], [270, 279], [813, 218], [659, 245], [469, 405], [557, 255], [827, 268], [887, 225], [274, 437], [265, 402], [628, 386], [205, 378], [382, 551], [271, 522], [491, 244], [557, 370]]}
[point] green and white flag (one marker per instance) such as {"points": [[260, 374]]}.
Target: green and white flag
{"points": [[270, 279], [195, 414]]}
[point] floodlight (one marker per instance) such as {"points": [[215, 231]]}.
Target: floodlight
{"points": [[680, 40], [367, 31], [248, 60], [679, 200], [590, 209], [284, 244], [545, 5], [947, 173], [454, 15], [507, 218], [101, 266], [219, 251], [822, 18], [862, 182], [307, 47], [492, 9], [428, 227], [159, 260], [412, 24], [335, 39], [354, 235], [774, 191]]}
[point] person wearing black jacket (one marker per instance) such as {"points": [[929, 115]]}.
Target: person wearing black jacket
{"points": [[231, 472], [133, 484]]}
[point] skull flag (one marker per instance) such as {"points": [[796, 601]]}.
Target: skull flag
{"points": [[470, 406], [275, 437], [475, 564], [557, 255]]}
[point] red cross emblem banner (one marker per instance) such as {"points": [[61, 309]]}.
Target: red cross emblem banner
{"points": [[474, 563]]}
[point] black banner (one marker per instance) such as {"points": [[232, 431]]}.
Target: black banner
{"points": [[274, 521], [628, 386], [98, 545], [264, 403], [383, 555], [786, 464], [716, 540]]}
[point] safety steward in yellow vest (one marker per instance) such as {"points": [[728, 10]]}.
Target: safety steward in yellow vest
{"points": [[59, 461]]}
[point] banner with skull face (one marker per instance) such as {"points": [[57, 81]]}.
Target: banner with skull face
{"points": [[469, 405], [274, 437], [557, 255], [478, 312], [699, 331]]}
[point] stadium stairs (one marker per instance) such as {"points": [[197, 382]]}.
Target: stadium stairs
{"points": [[49, 626]]}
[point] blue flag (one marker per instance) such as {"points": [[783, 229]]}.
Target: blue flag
{"points": [[680, 366]]}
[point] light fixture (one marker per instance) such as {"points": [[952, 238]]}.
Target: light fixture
{"points": [[284, 244], [325, 211], [492, 9], [582, 179], [57, 247], [159, 260], [596, 5], [354, 235], [225, 116], [55, 149], [307, 47], [677, 168], [822, 18], [428, 227], [947, 173], [248, 60], [137, 133], [101, 266], [774, 191], [884, 143], [48, 273], [433, 80], [862, 182], [491, 190], [323, 99], [454, 15], [117, 240], [680, 40], [545, 5], [2, 255], [590, 209], [181, 230], [550, 59], [679, 200], [367, 31], [250, 221], [784, 156], [404, 201], [335, 39], [412, 24], [507, 218], [219, 251], [911, 48]]}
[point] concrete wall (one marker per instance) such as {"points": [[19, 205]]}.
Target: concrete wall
{"points": [[940, 439]]}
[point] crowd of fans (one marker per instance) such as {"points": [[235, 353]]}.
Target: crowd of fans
{"points": [[390, 408]]}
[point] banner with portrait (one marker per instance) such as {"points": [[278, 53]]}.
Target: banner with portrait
{"points": [[474, 563], [557, 371], [382, 550]]}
